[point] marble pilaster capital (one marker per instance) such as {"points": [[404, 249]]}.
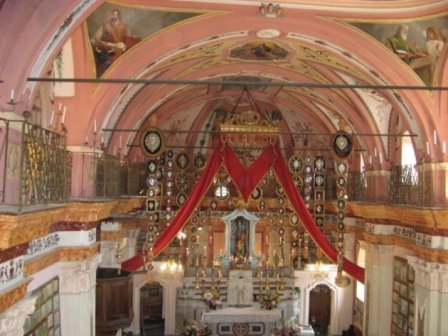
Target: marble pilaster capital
{"points": [[378, 254], [12, 320], [79, 276], [430, 275]]}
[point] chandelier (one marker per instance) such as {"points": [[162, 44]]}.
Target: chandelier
{"points": [[171, 269]]}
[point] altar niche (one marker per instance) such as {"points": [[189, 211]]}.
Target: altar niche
{"points": [[240, 241]]}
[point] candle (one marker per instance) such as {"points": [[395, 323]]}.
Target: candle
{"points": [[87, 139], [12, 95], [51, 118], [427, 147], [370, 159], [115, 150], [376, 152], [435, 137], [444, 147], [94, 126], [102, 138], [60, 107], [63, 114], [381, 158], [120, 142]]}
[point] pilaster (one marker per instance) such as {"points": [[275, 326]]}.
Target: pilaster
{"points": [[77, 290], [379, 286], [431, 296]]}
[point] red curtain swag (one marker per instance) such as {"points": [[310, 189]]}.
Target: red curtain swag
{"points": [[246, 181]]}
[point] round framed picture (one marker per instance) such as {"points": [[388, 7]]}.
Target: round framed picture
{"points": [[199, 161], [152, 166], [180, 199], [295, 164], [256, 193], [293, 219], [152, 142], [342, 144], [182, 160]]}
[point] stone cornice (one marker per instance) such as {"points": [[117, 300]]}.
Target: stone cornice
{"points": [[13, 295], [17, 229], [61, 254], [427, 218]]}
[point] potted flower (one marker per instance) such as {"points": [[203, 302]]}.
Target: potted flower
{"points": [[269, 300], [195, 328], [285, 329], [212, 298]]}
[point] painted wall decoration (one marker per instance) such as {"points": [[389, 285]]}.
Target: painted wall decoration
{"points": [[261, 50], [419, 44], [114, 29]]}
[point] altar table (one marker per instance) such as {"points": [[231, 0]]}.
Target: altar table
{"points": [[241, 321]]}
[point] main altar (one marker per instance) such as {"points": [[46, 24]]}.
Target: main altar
{"points": [[250, 291]]}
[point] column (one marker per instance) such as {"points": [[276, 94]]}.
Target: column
{"points": [[431, 296], [378, 285], [77, 290], [12, 320]]}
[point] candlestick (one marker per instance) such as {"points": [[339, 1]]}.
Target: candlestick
{"points": [[261, 279], [427, 147], [63, 114], [435, 137], [12, 95], [444, 147], [52, 117], [94, 126]]}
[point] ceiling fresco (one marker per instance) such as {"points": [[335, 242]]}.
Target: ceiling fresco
{"points": [[419, 44], [113, 29]]}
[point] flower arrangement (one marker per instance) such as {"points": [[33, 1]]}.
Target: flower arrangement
{"points": [[285, 329], [269, 300], [195, 328], [212, 298]]}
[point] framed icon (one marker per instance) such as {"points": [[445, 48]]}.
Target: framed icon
{"points": [[152, 166], [295, 164], [256, 193], [182, 160], [294, 219], [199, 161], [152, 142], [342, 144]]}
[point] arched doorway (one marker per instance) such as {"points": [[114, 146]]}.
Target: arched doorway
{"points": [[320, 309], [151, 310]]}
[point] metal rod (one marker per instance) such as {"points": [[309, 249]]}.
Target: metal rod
{"points": [[235, 83], [252, 148], [278, 133]]}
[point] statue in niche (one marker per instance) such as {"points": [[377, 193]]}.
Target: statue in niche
{"points": [[239, 244]]}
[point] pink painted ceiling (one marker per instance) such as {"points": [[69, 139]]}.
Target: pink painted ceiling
{"points": [[211, 48]]}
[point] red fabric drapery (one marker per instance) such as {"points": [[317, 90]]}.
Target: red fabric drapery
{"points": [[246, 181]]}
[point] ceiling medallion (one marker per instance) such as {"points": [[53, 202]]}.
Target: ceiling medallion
{"points": [[268, 33]]}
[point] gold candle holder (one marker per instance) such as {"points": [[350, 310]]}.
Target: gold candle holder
{"points": [[267, 285], [197, 279], [261, 278]]}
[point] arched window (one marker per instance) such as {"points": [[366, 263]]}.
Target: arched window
{"points": [[407, 150]]}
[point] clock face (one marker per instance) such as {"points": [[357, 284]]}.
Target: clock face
{"points": [[152, 142], [295, 164]]}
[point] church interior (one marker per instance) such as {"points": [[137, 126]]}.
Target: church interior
{"points": [[231, 167]]}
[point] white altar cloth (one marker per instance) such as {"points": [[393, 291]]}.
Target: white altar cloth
{"points": [[237, 315], [306, 330]]}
